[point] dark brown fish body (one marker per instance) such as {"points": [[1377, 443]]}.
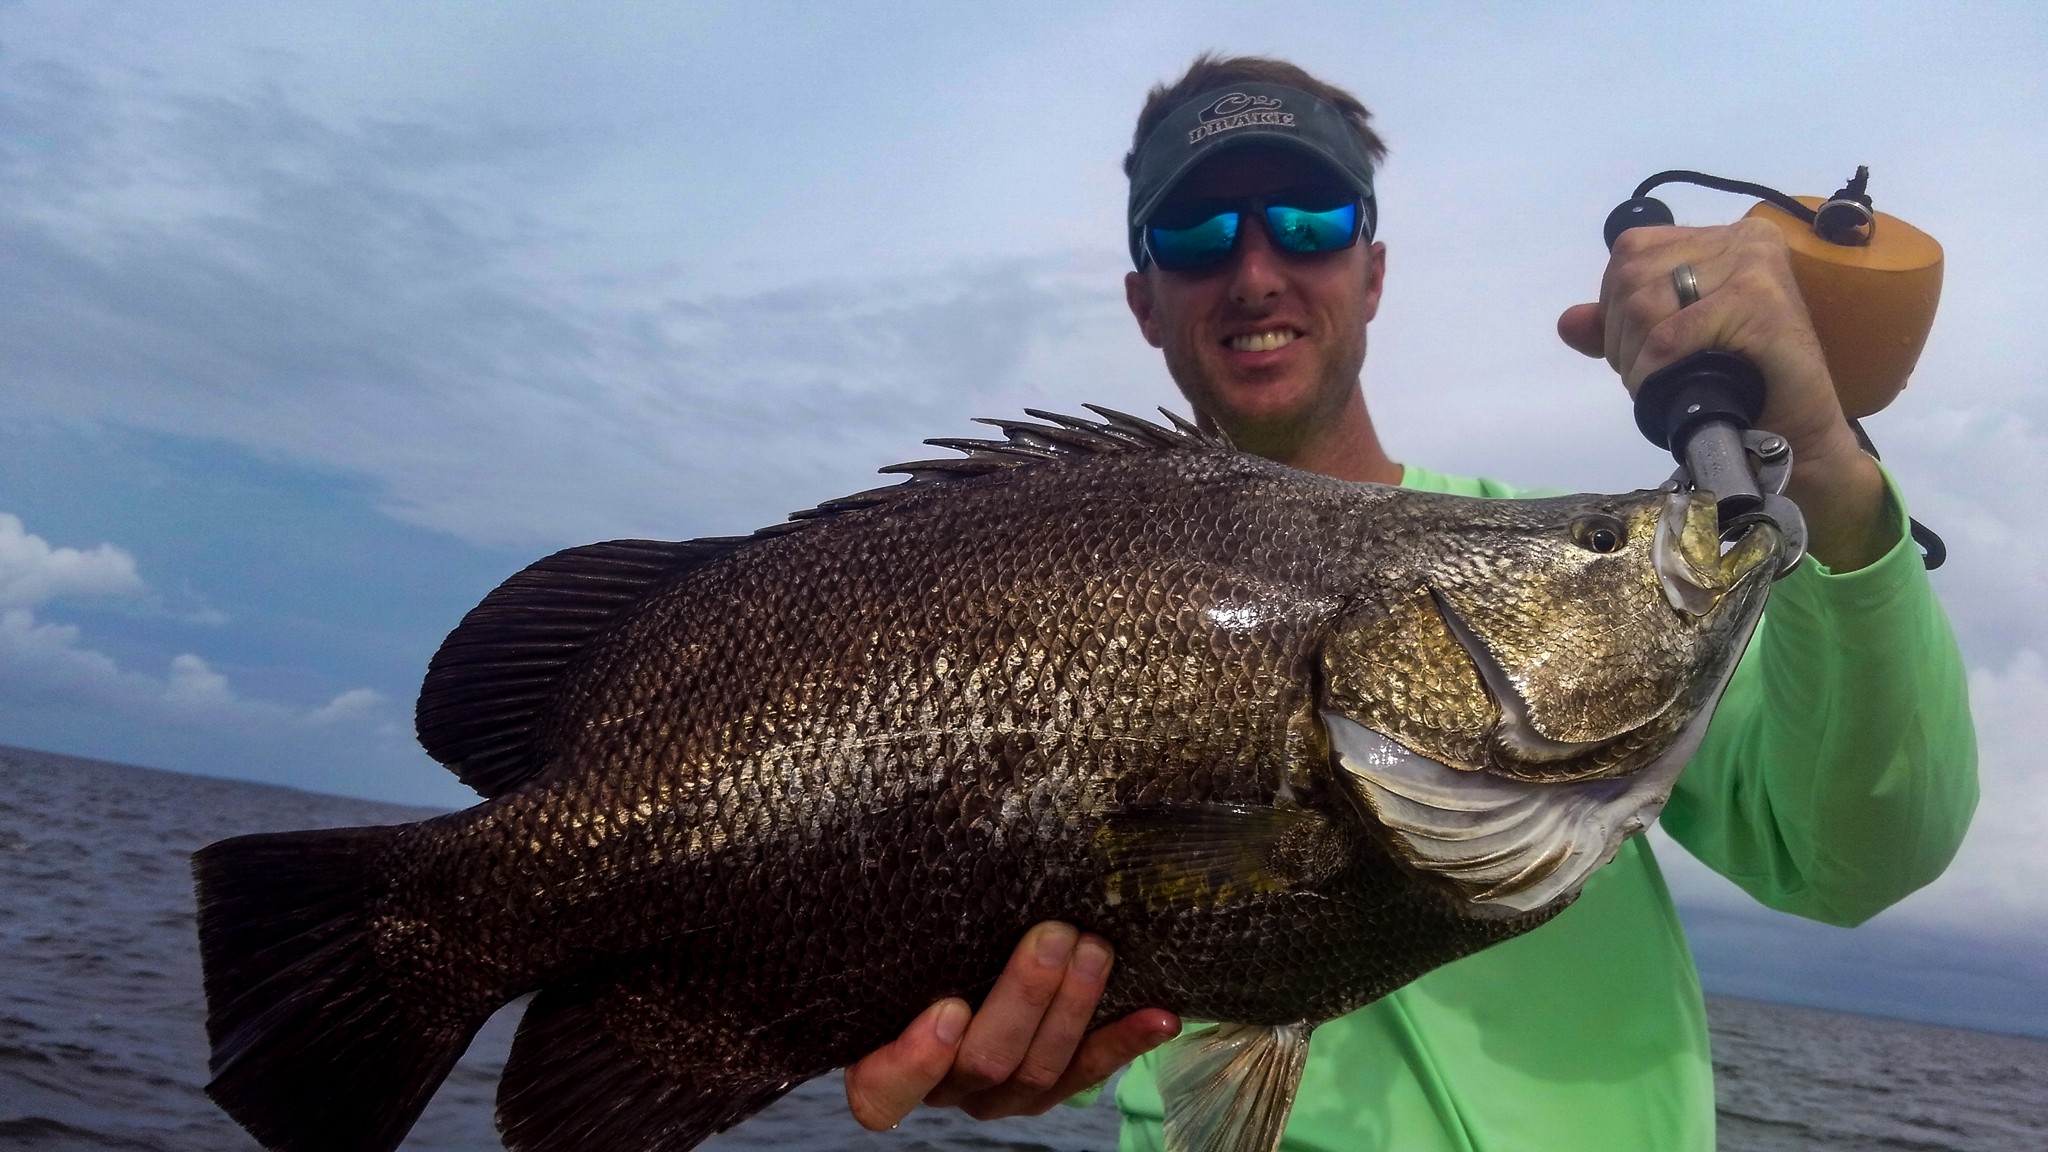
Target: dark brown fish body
{"points": [[757, 803]]}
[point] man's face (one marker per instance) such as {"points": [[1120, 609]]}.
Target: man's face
{"points": [[1266, 343]]}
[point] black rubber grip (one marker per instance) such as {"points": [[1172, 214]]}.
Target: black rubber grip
{"points": [[1707, 385]]}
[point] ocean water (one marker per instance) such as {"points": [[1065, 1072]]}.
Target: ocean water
{"points": [[102, 1039]]}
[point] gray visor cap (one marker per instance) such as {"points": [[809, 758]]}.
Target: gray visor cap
{"points": [[1225, 118]]}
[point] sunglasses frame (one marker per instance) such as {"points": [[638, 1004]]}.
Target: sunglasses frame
{"points": [[1257, 206]]}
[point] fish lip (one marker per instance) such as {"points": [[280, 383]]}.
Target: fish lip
{"points": [[1686, 588], [1764, 566], [1514, 729]]}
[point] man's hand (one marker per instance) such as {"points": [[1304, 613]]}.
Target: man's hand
{"points": [[1749, 304], [1026, 1050]]}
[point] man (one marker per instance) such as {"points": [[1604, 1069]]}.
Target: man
{"points": [[1838, 775]]}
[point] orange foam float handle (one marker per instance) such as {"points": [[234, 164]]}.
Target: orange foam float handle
{"points": [[1872, 305]]}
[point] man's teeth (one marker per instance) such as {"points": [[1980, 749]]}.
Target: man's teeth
{"points": [[1262, 341]]}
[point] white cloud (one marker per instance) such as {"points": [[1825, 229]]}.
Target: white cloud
{"points": [[193, 718], [195, 688], [50, 659], [2001, 875], [45, 659], [33, 572], [1976, 474], [349, 705], [338, 301]]}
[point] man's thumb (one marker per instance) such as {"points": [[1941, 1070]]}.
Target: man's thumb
{"points": [[1580, 326], [882, 1088]]}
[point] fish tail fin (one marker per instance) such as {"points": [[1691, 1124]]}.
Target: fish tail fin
{"points": [[313, 1049], [573, 1083]]}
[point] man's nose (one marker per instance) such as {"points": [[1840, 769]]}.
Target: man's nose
{"points": [[1256, 276]]}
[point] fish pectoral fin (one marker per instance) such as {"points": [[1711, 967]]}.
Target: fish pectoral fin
{"points": [[573, 1083], [1515, 845], [1230, 1087], [1183, 853]]}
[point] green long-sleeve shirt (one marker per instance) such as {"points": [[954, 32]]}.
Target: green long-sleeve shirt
{"points": [[1838, 775]]}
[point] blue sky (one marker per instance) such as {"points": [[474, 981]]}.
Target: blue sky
{"points": [[316, 321]]}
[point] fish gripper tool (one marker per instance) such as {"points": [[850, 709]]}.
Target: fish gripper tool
{"points": [[1703, 409]]}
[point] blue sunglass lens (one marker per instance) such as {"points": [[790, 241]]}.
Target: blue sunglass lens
{"points": [[1204, 242], [1190, 240], [1303, 230]]}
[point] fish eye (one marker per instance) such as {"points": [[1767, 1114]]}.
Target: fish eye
{"points": [[1599, 534]]}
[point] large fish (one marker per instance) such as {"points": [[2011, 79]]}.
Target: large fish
{"points": [[753, 803]]}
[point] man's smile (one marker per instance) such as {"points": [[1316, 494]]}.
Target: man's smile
{"points": [[1262, 341]]}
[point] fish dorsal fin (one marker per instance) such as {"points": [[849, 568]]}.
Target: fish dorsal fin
{"points": [[494, 677], [1229, 1087], [1512, 845], [1058, 437]]}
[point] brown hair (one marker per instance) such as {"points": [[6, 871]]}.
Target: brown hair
{"points": [[1212, 71]]}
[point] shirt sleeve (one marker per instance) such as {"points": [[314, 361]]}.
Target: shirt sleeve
{"points": [[1840, 771]]}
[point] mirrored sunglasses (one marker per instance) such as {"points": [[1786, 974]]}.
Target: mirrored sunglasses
{"points": [[1199, 233]]}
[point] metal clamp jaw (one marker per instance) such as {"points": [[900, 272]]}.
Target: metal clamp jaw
{"points": [[1768, 458], [1701, 408]]}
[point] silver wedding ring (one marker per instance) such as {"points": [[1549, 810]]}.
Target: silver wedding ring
{"points": [[1687, 283]]}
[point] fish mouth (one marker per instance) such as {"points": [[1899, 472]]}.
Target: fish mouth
{"points": [[1695, 574], [1514, 732]]}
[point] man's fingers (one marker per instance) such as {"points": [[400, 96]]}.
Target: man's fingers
{"points": [[1632, 250], [1112, 1046], [1001, 1033], [1636, 291], [883, 1088], [1103, 1052], [1060, 1034], [1652, 330], [1058, 1038]]}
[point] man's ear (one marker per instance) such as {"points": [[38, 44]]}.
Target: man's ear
{"points": [[1375, 278], [1138, 294]]}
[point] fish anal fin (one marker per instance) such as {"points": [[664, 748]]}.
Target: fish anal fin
{"points": [[1230, 1087], [575, 1082], [1183, 853]]}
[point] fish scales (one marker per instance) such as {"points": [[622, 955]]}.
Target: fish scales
{"points": [[767, 803], [1056, 670]]}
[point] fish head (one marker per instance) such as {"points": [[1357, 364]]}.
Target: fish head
{"points": [[1517, 685], [1556, 639]]}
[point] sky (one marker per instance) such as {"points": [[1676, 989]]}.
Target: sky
{"points": [[318, 321]]}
